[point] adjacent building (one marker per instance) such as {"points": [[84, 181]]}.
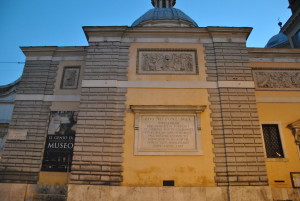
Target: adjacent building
{"points": [[160, 110]]}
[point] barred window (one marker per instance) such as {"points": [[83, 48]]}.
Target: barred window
{"points": [[272, 140]]}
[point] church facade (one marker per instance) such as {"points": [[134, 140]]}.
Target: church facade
{"points": [[160, 110]]}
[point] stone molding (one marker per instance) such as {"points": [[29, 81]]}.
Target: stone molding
{"points": [[53, 98], [167, 84], [166, 34], [278, 99], [167, 108]]}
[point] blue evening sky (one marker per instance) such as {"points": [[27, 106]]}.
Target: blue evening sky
{"points": [[59, 22]]}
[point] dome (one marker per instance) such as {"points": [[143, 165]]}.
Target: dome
{"points": [[165, 17], [277, 40]]}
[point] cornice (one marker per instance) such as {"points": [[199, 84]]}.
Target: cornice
{"points": [[293, 19], [274, 55], [131, 34], [54, 51]]}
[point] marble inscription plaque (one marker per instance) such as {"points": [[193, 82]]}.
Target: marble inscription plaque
{"points": [[167, 133], [167, 61]]}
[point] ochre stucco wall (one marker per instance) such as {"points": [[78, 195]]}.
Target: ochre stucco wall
{"points": [[152, 170], [54, 178], [282, 114]]}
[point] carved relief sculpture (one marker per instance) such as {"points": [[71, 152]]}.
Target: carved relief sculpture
{"points": [[161, 61], [277, 79], [70, 78]]}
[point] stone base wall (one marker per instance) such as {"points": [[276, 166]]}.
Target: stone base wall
{"points": [[110, 193], [28, 192]]}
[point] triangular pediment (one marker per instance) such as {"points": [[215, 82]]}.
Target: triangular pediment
{"points": [[294, 125]]}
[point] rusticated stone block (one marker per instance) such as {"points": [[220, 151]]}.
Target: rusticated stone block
{"points": [[100, 121], [238, 122]]}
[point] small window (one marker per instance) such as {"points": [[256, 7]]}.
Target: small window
{"points": [[272, 140]]}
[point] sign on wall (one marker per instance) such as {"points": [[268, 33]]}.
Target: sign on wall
{"points": [[59, 145]]}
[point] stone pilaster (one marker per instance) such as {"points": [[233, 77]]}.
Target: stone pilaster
{"points": [[22, 159], [98, 147], [238, 146]]}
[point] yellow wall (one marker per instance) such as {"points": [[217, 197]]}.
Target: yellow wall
{"points": [[282, 114], [54, 178], [152, 170]]}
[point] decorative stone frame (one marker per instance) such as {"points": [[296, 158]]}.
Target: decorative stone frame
{"points": [[164, 52], [295, 176], [172, 112], [295, 127], [281, 135], [65, 73], [276, 80]]}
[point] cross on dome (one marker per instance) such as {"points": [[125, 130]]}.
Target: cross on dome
{"points": [[163, 3]]}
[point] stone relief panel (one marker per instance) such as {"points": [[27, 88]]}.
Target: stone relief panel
{"points": [[167, 61], [70, 78], [277, 80]]}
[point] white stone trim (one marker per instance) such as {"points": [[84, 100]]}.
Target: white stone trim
{"points": [[53, 98], [168, 84], [39, 58], [236, 84], [149, 84], [279, 60], [75, 58], [66, 58], [278, 99], [150, 40], [99, 83]]}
